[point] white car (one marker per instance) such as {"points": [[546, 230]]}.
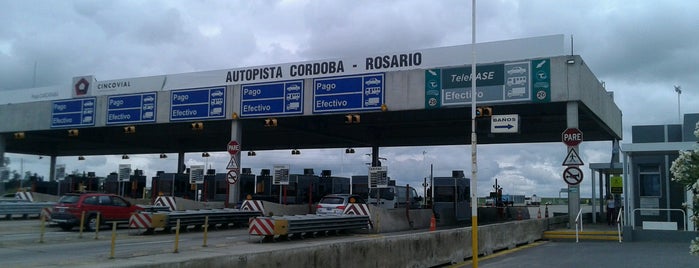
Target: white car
{"points": [[335, 204], [372, 81], [516, 70]]}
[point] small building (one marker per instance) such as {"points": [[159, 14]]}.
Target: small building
{"points": [[651, 199]]}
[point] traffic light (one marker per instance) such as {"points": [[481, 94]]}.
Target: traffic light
{"points": [[352, 119], [129, 129], [270, 122], [73, 133], [197, 126], [19, 135], [484, 111]]}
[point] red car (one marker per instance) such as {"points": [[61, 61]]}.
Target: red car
{"points": [[112, 208]]}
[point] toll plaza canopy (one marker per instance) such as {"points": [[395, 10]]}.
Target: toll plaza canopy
{"points": [[414, 98]]}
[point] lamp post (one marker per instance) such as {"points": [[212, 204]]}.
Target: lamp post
{"points": [[678, 89]]}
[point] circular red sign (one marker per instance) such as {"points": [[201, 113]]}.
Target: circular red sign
{"points": [[233, 147], [572, 137], [232, 176], [572, 175]]}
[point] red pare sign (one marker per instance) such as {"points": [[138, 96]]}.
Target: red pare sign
{"points": [[572, 137]]}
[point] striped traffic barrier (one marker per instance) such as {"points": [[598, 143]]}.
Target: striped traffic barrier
{"points": [[167, 201], [24, 196], [261, 226], [141, 221], [359, 209], [253, 205]]}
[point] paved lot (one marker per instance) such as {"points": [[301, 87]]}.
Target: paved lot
{"points": [[592, 254]]}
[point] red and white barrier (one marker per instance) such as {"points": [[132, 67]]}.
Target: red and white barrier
{"points": [[261, 226], [24, 196], [359, 209], [253, 205], [166, 201], [141, 221]]}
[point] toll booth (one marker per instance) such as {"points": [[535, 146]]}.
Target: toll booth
{"points": [[172, 184], [133, 188], [246, 184], [360, 186], [215, 186]]}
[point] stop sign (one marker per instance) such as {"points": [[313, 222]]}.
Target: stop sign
{"points": [[233, 147], [572, 137]]}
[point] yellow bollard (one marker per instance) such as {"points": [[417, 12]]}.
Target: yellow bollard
{"points": [[206, 229], [111, 253], [97, 227], [43, 229], [82, 224], [177, 236]]}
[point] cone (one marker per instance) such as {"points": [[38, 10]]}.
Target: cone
{"points": [[538, 214], [433, 223]]}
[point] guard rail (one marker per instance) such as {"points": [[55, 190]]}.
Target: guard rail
{"points": [[190, 218], [25, 209], [300, 225]]}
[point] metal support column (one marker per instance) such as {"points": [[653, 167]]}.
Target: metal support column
{"points": [[573, 190]]}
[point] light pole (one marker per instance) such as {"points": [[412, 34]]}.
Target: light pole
{"points": [[678, 89]]}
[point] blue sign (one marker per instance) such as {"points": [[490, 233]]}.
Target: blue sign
{"points": [[73, 113], [271, 99], [200, 103], [134, 108], [348, 93]]}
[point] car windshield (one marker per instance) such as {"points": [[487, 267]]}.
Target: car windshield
{"points": [[332, 200], [69, 199]]}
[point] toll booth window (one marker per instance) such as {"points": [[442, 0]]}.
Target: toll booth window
{"points": [[649, 180], [221, 187], [443, 194]]}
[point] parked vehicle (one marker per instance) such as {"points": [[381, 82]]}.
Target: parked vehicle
{"points": [[336, 203], [112, 208], [394, 197]]}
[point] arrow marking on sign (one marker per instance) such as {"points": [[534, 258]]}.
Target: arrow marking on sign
{"points": [[508, 126]]}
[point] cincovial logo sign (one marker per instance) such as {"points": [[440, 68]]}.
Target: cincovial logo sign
{"points": [[81, 87]]}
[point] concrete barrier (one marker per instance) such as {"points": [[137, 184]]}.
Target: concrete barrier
{"points": [[423, 249]]}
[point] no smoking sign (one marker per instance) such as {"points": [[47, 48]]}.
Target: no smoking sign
{"points": [[573, 175]]}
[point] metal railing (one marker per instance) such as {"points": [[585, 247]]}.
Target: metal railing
{"points": [[578, 222], [633, 215], [9, 209], [619, 222]]}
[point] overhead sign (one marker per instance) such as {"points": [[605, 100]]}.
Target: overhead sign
{"points": [[196, 174], [573, 159], [494, 83], [271, 99], [572, 137], [348, 93], [572, 175], [378, 177], [201, 103], [73, 113], [501, 51], [617, 184], [541, 80], [506, 123], [281, 175], [124, 172], [133, 108], [233, 147]]}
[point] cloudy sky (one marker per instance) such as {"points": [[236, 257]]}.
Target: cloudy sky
{"points": [[640, 49]]}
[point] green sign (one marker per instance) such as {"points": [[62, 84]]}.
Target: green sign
{"points": [[617, 185], [541, 80], [508, 82], [433, 87]]}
